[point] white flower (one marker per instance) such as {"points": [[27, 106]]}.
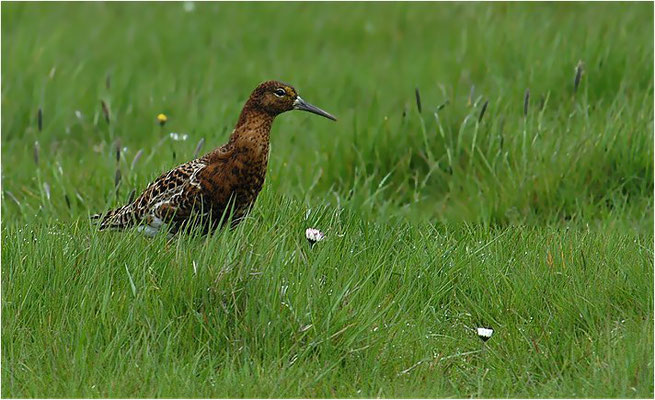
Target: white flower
{"points": [[314, 235], [178, 136], [485, 333]]}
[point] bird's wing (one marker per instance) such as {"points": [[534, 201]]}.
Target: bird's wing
{"points": [[170, 198], [174, 195]]}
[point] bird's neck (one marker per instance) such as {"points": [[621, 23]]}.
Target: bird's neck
{"points": [[252, 132]]}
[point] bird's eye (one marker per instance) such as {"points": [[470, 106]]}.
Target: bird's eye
{"points": [[280, 92]]}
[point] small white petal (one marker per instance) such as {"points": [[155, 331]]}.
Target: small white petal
{"points": [[314, 235], [178, 136]]}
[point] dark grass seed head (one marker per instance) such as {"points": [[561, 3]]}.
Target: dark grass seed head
{"points": [[39, 119], [484, 108], [105, 110], [418, 100], [118, 150], [68, 201], [117, 178], [526, 102]]}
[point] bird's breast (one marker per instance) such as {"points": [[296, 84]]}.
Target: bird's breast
{"points": [[239, 178]]}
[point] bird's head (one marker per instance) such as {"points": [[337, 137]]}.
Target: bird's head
{"points": [[275, 97]]}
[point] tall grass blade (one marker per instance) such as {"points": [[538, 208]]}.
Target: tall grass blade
{"points": [[136, 158], [201, 142]]}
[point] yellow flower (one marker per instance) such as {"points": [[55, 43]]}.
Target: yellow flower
{"points": [[162, 118]]}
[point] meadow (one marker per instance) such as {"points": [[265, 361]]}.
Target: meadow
{"points": [[492, 166]]}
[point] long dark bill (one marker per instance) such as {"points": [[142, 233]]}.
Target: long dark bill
{"points": [[300, 104]]}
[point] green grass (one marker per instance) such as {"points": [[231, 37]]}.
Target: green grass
{"points": [[438, 221]]}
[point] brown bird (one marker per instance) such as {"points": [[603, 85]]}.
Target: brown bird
{"points": [[224, 182]]}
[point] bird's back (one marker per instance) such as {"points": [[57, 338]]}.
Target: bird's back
{"points": [[227, 179]]}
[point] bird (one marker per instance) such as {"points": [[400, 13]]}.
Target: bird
{"points": [[223, 183]]}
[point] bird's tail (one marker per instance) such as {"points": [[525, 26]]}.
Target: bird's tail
{"points": [[118, 218]]}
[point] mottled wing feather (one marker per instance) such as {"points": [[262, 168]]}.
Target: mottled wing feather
{"points": [[171, 198]]}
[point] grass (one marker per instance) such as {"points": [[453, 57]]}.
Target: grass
{"points": [[536, 221]]}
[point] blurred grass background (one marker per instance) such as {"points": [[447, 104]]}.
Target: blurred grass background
{"points": [[406, 194]]}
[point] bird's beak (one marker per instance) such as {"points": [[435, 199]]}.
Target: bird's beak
{"points": [[300, 104]]}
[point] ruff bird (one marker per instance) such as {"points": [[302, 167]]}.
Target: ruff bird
{"points": [[223, 182]]}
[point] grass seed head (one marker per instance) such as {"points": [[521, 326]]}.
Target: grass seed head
{"points": [[578, 75], [418, 100], [118, 150], [526, 102], [442, 105], [39, 119], [105, 110], [117, 178], [484, 108]]}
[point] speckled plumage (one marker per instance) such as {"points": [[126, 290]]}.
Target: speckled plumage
{"points": [[225, 180]]}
